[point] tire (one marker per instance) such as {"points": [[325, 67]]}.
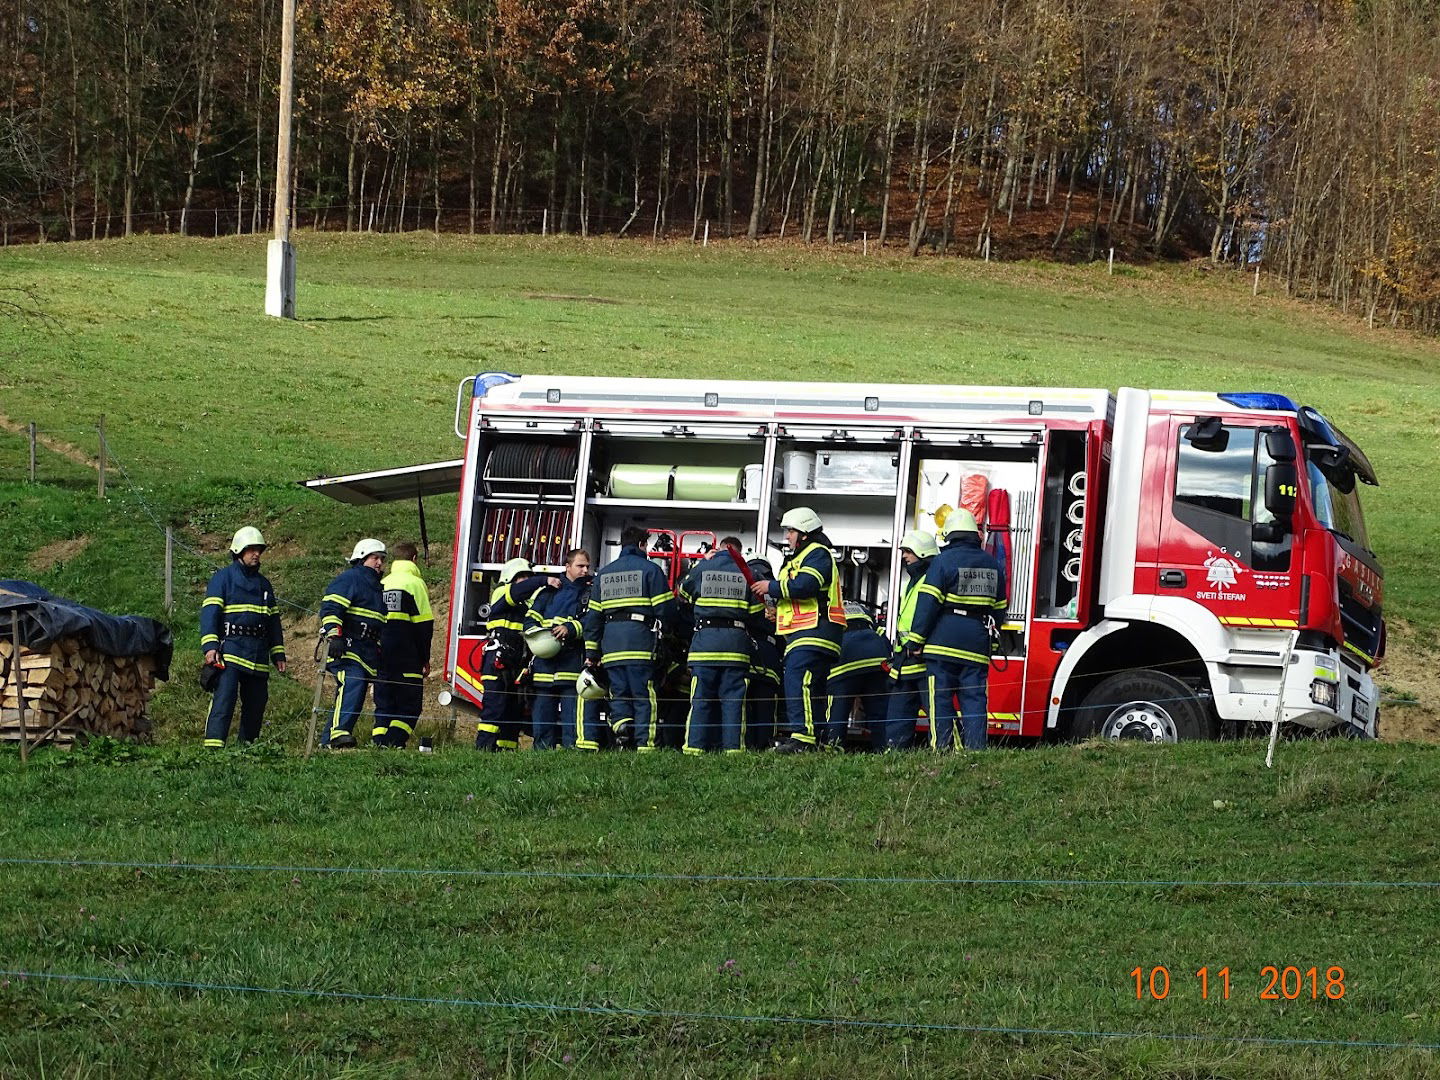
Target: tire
{"points": [[1146, 706]]}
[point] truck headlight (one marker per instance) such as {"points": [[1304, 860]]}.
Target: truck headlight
{"points": [[1325, 694]]}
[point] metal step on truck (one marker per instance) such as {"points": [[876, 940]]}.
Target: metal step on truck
{"points": [[1181, 564]]}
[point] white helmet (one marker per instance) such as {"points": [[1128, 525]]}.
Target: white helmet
{"points": [[588, 687], [246, 537], [801, 519], [542, 642], [959, 521], [512, 569], [365, 548], [920, 542]]}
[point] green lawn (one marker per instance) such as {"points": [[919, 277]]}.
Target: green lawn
{"points": [[581, 883], [213, 411]]}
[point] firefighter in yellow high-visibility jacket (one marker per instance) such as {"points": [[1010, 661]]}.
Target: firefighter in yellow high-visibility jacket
{"points": [[907, 673], [810, 619]]}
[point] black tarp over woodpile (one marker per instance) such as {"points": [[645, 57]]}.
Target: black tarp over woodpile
{"points": [[46, 618]]}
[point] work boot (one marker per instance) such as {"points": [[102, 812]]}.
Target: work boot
{"points": [[345, 741], [793, 746]]}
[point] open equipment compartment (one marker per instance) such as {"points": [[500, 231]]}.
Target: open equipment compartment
{"points": [[994, 473], [685, 484], [524, 502], [850, 477]]}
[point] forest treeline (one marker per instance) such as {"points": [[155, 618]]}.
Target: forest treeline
{"points": [[1302, 133]]}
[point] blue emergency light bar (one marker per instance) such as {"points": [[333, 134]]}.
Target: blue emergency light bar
{"points": [[1260, 400]]}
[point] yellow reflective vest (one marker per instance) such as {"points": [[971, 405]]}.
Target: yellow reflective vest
{"points": [[806, 580]]}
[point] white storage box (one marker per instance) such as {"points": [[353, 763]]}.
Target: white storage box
{"points": [[864, 472]]}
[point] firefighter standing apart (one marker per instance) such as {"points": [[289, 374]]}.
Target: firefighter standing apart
{"points": [[961, 596], [240, 634], [810, 618], [404, 650], [630, 603], [352, 617], [907, 673], [504, 657]]}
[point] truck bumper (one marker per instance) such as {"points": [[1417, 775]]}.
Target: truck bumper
{"points": [[1323, 691]]}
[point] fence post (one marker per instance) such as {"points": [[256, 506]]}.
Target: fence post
{"points": [[17, 683], [706, 241], [864, 243], [1111, 268], [169, 571], [545, 222], [1255, 291], [30, 431], [100, 479]]}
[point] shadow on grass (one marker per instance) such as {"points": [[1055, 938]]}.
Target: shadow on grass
{"points": [[384, 318]]}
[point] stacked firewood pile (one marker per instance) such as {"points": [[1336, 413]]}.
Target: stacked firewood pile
{"points": [[69, 689]]}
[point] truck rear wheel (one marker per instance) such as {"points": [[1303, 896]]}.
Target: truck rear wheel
{"points": [[1148, 706]]}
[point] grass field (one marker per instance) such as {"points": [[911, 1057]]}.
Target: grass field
{"points": [[213, 412], [706, 977]]}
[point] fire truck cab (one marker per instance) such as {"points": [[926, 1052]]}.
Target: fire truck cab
{"points": [[1179, 563]]}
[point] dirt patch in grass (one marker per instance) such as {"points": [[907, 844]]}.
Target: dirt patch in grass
{"points": [[61, 551], [302, 633], [566, 296], [1410, 688], [49, 442]]}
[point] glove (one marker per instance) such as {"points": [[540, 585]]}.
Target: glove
{"points": [[335, 647]]}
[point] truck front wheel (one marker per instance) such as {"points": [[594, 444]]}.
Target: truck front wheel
{"points": [[1146, 705]]}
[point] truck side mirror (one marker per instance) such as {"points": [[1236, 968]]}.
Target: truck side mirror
{"points": [[1281, 488], [1279, 444], [1334, 462], [1208, 434]]}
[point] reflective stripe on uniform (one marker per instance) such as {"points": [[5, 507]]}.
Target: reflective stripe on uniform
{"points": [[932, 650]]}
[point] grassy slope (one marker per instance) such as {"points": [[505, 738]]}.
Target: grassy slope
{"points": [[218, 409], [214, 411]]}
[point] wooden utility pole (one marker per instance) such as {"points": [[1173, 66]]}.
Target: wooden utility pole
{"points": [[280, 256]]}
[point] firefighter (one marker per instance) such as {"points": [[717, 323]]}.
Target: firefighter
{"points": [[240, 634], [907, 674], [559, 716], [404, 650], [352, 616], [765, 666], [630, 603], [810, 617], [959, 598], [858, 676], [504, 657], [724, 613]]}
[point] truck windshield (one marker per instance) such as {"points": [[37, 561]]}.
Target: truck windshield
{"points": [[1338, 511]]}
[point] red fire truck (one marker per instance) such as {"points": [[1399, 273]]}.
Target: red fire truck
{"points": [[1179, 563]]}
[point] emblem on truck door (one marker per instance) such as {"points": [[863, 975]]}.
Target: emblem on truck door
{"points": [[1222, 574]]}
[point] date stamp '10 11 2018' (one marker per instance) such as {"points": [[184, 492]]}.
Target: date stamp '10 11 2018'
{"points": [[1288, 983]]}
